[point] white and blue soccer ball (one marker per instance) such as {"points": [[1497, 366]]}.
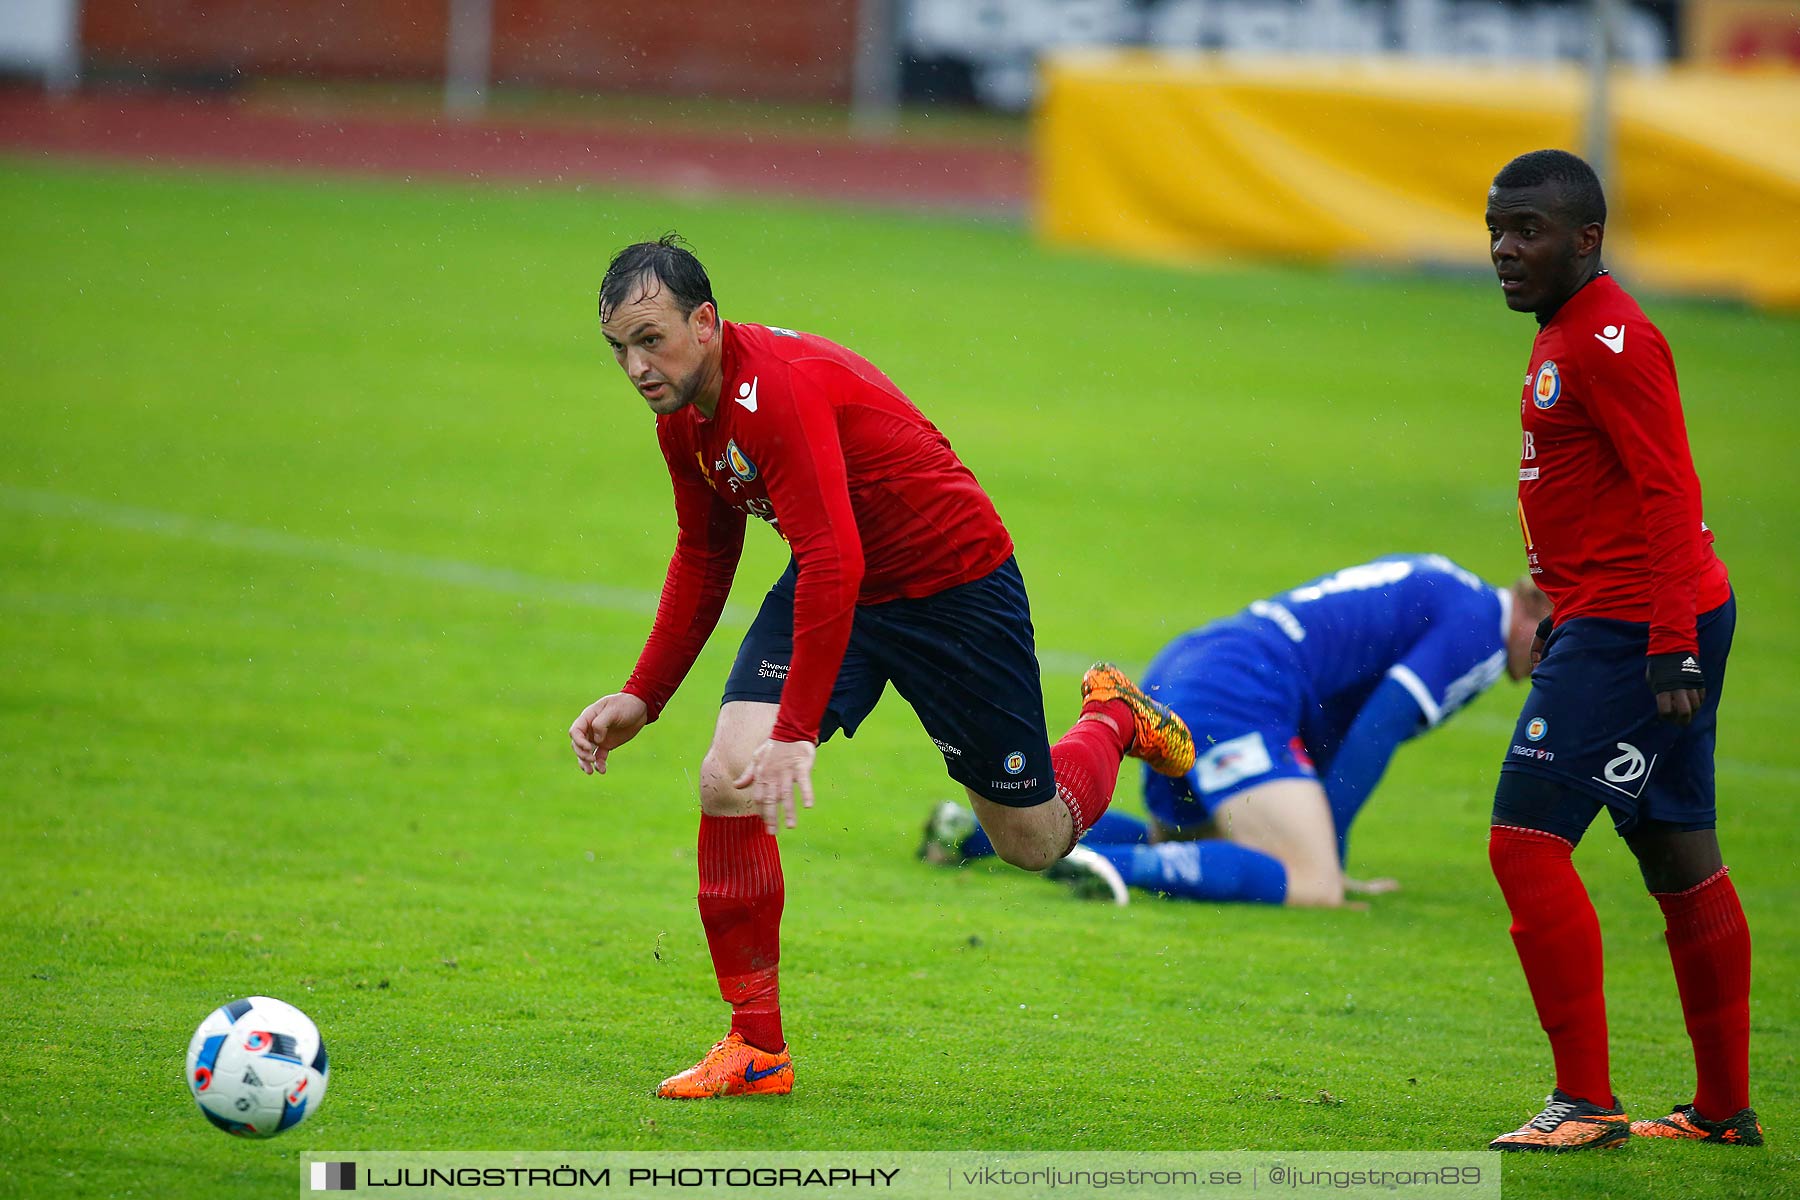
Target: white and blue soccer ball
{"points": [[257, 1067]]}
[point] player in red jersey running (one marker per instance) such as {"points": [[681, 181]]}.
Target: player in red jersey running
{"points": [[901, 573], [1623, 711]]}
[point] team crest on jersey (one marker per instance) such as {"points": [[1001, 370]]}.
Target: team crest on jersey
{"points": [[739, 462], [1546, 388]]}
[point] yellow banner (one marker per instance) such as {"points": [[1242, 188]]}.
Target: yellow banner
{"points": [[1387, 162]]}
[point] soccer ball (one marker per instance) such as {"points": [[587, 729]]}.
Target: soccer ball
{"points": [[257, 1067]]}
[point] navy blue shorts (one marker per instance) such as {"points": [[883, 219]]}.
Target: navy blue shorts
{"points": [[964, 659], [1590, 724]]}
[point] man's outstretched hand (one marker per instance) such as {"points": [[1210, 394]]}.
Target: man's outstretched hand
{"points": [[605, 725]]}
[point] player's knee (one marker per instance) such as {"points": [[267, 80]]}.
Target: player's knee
{"points": [[718, 795], [1672, 859], [1313, 888], [1313, 880], [1024, 844], [1028, 856]]}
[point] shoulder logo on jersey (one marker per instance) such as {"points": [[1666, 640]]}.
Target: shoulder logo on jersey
{"points": [[1546, 386], [746, 395], [778, 331], [739, 462], [1613, 338]]}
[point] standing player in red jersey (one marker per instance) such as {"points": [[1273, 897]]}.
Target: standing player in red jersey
{"points": [[901, 572], [1623, 711]]}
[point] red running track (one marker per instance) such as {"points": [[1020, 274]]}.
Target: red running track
{"points": [[178, 131]]}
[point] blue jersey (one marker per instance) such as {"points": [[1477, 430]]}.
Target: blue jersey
{"points": [[1419, 619], [1276, 690]]}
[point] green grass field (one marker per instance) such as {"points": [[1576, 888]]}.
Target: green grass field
{"points": [[324, 511]]}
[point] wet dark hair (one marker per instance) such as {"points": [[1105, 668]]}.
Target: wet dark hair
{"points": [[666, 261], [1578, 192]]}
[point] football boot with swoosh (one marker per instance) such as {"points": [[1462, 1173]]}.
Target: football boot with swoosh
{"points": [[733, 1067], [1741, 1129], [1161, 737], [1568, 1124]]}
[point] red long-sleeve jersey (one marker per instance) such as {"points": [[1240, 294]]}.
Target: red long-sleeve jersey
{"points": [[819, 443], [1608, 499]]}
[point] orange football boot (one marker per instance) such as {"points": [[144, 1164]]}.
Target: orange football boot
{"points": [[1568, 1124], [1160, 736], [1741, 1129], [732, 1067]]}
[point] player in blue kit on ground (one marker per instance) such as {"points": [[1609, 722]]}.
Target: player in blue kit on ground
{"points": [[1298, 703]]}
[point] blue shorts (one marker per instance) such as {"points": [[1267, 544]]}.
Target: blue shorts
{"points": [[1590, 724], [1241, 695], [963, 658]]}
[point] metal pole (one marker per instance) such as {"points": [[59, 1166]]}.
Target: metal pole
{"points": [[1599, 147], [63, 74], [468, 49], [875, 70]]}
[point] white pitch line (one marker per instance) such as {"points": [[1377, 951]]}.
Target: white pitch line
{"points": [[394, 563], [397, 563], [506, 582]]}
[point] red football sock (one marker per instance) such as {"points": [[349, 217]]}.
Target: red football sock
{"points": [[1558, 938], [1709, 944], [741, 894], [1086, 763]]}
